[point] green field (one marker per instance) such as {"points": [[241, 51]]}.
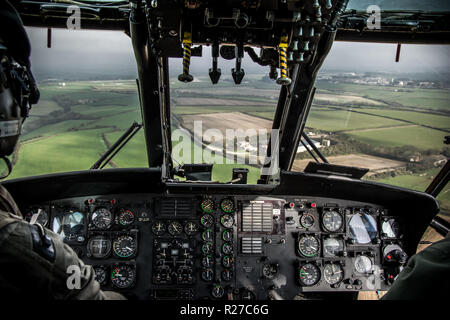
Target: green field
{"points": [[436, 99], [55, 128], [134, 154], [419, 137], [67, 151], [65, 130], [254, 110], [420, 183], [340, 120], [422, 118]]}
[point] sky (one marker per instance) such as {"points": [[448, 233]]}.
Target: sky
{"points": [[110, 53]]}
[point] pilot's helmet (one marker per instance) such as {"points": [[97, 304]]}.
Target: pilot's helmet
{"points": [[17, 92]]}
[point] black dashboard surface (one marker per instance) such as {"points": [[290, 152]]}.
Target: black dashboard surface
{"points": [[153, 240]]}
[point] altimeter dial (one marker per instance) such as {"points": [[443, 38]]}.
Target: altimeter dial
{"points": [[332, 221], [125, 246], [102, 218], [333, 273], [308, 246]]}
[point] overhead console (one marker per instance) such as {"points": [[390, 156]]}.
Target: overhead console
{"points": [[237, 242]]}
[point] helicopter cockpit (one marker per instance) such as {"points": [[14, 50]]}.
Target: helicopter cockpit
{"points": [[180, 229]]}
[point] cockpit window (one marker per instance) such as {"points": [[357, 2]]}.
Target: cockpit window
{"points": [[368, 111], [225, 124], [88, 99], [390, 117]]}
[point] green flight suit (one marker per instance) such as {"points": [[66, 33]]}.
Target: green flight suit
{"points": [[426, 275]]}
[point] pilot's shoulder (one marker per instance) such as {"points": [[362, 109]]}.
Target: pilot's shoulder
{"points": [[18, 237], [11, 224]]}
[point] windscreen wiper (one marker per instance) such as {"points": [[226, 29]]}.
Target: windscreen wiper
{"points": [[313, 147], [117, 146]]}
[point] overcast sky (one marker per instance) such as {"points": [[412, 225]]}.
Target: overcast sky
{"points": [[111, 52]]}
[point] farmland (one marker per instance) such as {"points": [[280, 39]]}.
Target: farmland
{"points": [[368, 125]]}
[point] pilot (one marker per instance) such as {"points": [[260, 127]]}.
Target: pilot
{"points": [[34, 261], [425, 276]]}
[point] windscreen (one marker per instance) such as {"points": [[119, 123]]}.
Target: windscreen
{"points": [[224, 124], [389, 117], [87, 81]]}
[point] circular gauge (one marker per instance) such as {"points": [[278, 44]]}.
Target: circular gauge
{"points": [[207, 235], [207, 261], [270, 270], [227, 275], [207, 247], [99, 247], [227, 220], [218, 291], [227, 205], [309, 274], [190, 228], [125, 246], [102, 218], [37, 216], [363, 264], [363, 228], [207, 205], [227, 248], [332, 221], [158, 228], [333, 273], [227, 261], [207, 220], [100, 274], [126, 217], [307, 220], [390, 228], [227, 235], [308, 246], [174, 228], [207, 274], [123, 276], [333, 247]]}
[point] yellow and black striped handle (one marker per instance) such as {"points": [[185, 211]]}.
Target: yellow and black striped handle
{"points": [[282, 48], [187, 43]]}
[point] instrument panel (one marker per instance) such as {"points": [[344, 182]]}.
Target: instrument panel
{"points": [[236, 247]]}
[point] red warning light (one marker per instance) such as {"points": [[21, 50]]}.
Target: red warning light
{"points": [[389, 257], [113, 201], [313, 205], [90, 201], [291, 204]]}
